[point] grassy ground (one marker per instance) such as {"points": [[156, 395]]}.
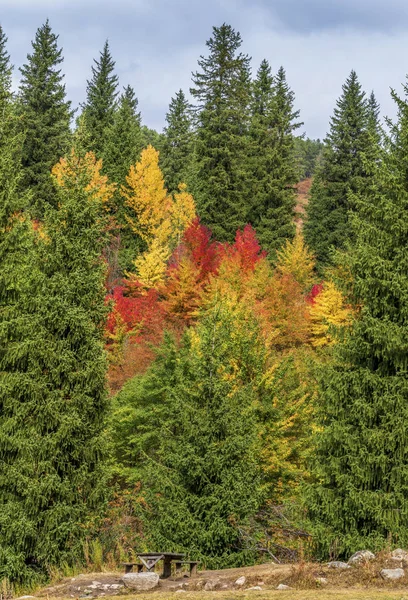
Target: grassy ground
{"points": [[275, 594]]}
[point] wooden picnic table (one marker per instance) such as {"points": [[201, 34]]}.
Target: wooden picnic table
{"points": [[150, 559]]}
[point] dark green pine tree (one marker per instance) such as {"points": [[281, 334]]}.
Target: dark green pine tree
{"points": [[343, 170], [360, 495], [374, 125], [124, 142], [53, 394], [273, 157], [123, 138], [177, 148], [47, 116], [101, 94], [223, 91], [189, 433], [6, 68]]}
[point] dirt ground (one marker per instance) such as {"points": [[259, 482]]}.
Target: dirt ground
{"points": [[307, 581]]}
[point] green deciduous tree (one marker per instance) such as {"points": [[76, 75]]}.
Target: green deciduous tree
{"points": [[222, 89], [360, 495], [177, 149], [101, 95], [47, 117], [344, 169], [275, 172]]}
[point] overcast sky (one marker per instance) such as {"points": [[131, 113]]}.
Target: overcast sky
{"points": [[156, 44]]}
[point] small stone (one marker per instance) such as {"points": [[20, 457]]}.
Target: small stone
{"points": [[322, 580], [256, 587], [361, 556], [241, 581], [392, 574], [338, 564], [282, 586], [211, 585], [140, 582], [115, 586]]}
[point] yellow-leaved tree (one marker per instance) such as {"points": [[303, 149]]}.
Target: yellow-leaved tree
{"points": [[296, 260], [328, 312], [159, 219], [70, 168]]}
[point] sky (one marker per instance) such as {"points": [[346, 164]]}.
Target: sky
{"points": [[156, 45]]}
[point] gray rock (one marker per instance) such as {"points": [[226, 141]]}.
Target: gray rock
{"points": [[282, 586], [392, 574], [361, 556], [211, 585], [252, 589], [115, 586], [337, 564], [140, 582], [322, 580], [241, 580], [400, 555]]}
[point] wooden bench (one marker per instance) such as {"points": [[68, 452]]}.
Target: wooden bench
{"points": [[191, 563], [129, 567]]}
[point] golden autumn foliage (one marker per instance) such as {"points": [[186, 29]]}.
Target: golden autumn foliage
{"points": [[328, 312], [296, 260], [73, 169], [160, 220], [183, 213], [146, 195]]}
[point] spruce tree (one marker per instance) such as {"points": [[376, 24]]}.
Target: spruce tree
{"points": [[53, 397], [343, 170], [274, 170], [177, 148], [360, 495], [6, 68], [123, 138], [222, 89], [101, 95], [196, 444], [47, 116]]}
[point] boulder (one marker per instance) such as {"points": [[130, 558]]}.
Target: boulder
{"points": [[337, 564], [282, 586], [241, 581], [361, 556], [399, 555], [392, 574], [140, 582]]}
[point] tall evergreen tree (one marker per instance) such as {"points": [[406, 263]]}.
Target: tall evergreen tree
{"points": [[343, 170], [177, 149], [360, 495], [123, 138], [6, 68], [101, 95], [52, 392], [196, 445], [222, 89], [47, 116], [274, 170]]}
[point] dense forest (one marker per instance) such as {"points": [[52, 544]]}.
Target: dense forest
{"points": [[189, 359]]}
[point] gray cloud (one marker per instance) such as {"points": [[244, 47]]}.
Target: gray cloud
{"points": [[156, 44]]}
